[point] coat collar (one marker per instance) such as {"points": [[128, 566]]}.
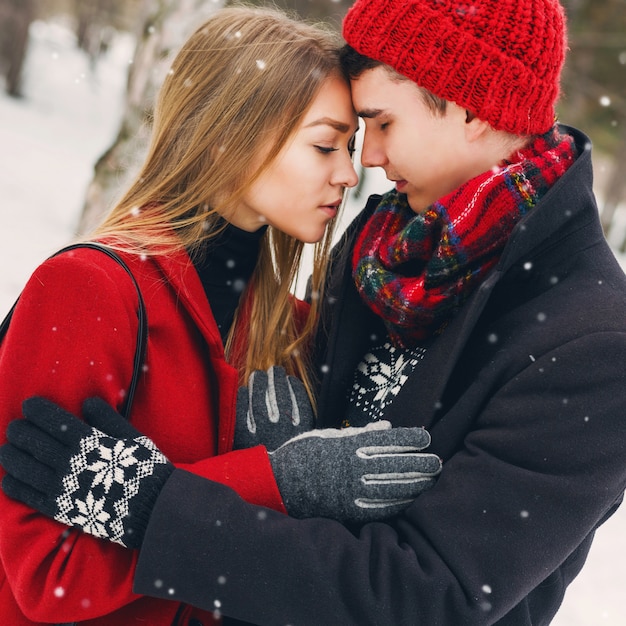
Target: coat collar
{"points": [[570, 200], [181, 274]]}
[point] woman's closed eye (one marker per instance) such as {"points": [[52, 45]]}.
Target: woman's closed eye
{"points": [[326, 150]]}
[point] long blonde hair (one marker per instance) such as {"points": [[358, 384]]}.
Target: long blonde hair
{"points": [[241, 83]]}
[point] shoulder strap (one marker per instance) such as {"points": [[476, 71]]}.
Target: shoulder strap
{"points": [[142, 327]]}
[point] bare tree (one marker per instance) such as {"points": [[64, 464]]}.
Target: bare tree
{"points": [[163, 27], [15, 19]]}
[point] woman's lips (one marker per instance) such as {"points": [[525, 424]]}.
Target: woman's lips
{"points": [[331, 209]]}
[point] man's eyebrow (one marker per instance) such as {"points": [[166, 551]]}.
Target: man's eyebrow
{"points": [[369, 113], [329, 121]]}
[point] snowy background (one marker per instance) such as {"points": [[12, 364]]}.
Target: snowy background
{"points": [[49, 141]]}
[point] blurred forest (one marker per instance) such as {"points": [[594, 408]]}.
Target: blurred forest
{"points": [[594, 80]]}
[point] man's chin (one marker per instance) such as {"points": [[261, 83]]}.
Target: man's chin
{"points": [[416, 204]]}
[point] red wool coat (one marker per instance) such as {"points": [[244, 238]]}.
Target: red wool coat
{"points": [[73, 336]]}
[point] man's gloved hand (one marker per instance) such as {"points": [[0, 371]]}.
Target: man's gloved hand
{"points": [[355, 474], [101, 476], [272, 409]]}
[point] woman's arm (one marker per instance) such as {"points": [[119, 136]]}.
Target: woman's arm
{"points": [[72, 334]]}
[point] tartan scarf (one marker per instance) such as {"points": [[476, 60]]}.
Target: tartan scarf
{"points": [[415, 270]]}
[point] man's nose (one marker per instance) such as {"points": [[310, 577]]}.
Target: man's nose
{"points": [[372, 154]]}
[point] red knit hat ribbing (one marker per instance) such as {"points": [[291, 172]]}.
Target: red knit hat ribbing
{"points": [[500, 59]]}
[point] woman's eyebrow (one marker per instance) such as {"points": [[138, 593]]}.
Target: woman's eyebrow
{"points": [[342, 127]]}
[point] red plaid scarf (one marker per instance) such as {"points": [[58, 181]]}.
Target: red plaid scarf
{"points": [[415, 270]]}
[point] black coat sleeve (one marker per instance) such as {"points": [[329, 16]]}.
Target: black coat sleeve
{"points": [[510, 518]]}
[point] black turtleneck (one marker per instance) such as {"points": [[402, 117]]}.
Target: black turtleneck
{"points": [[225, 269]]}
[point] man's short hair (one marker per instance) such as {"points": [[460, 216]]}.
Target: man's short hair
{"points": [[354, 64]]}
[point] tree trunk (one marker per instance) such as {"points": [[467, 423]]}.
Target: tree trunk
{"points": [[15, 19], [164, 26]]}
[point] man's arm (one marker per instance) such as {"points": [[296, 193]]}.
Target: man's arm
{"points": [[522, 496]]}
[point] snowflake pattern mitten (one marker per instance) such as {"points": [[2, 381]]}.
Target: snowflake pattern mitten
{"points": [[101, 476]]}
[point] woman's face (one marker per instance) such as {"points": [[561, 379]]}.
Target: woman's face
{"points": [[300, 192]]}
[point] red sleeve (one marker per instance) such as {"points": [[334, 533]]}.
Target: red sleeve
{"points": [[72, 336], [248, 472]]}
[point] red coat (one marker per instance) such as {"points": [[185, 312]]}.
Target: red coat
{"points": [[73, 336]]}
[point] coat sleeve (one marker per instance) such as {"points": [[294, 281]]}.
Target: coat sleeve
{"points": [[248, 472], [72, 336], [538, 471]]}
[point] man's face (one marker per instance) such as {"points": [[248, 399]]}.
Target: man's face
{"points": [[427, 155]]}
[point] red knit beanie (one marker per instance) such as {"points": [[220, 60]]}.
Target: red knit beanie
{"points": [[500, 59]]}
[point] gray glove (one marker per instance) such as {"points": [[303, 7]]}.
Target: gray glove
{"points": [[355, 474], [272, 409]]}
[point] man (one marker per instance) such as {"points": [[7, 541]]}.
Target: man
{"points": [[478, 299]]}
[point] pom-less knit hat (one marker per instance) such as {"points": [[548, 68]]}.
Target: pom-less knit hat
{"points": [[500, 59]]}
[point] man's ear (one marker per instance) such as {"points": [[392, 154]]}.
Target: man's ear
{"points": [[474, 126]]}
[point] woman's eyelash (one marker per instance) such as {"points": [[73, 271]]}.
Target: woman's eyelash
{"points": [[325, 150]]}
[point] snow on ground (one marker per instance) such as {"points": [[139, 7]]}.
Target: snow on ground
{"points": [[49, 141]]}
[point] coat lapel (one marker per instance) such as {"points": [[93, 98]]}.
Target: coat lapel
{"points": [[432, 376], [181, 274]]}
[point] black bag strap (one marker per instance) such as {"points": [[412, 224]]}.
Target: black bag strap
{"points": [[142, 327]]}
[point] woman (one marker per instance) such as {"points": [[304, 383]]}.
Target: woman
{"points": [[249, 158]]}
